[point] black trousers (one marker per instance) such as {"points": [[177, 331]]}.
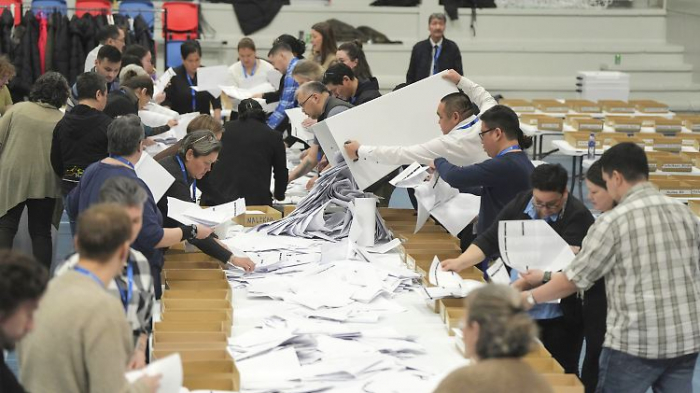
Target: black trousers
{"points": [[563, 340], [594, 328], [40, 214]]}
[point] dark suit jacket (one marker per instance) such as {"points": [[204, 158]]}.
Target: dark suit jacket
{"points": [[178, 96], [250, 151], [422, 57]]}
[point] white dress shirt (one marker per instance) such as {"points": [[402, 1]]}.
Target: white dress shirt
{"points": [[239, 79], [432, 52], [460, 147], [91, 57]]}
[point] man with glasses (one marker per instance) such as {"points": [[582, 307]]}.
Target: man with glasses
{"points": [[316, 102], [560, 329]]}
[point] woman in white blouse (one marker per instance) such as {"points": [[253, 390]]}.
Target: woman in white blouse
{"points": [[249, 71]]}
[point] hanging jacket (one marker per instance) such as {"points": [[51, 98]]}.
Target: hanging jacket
{"points": [[62, 47], [254, 15], [26, 59], [7, 21], [82, 31], [144, 36]]}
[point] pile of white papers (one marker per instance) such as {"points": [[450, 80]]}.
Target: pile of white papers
{"points": [[325, 213], [436, 198], [189, 213]]}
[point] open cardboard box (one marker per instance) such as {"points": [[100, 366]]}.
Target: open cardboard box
{"points": [[409, 229], [579, 139], [225, 316], [539, 351], [549, 105], [436, 247], [204, 382], [193, 354], [200, 367], [447, 303], [569, 118], [668, 126], [196, 285], [669, 162], [544, 365], [543, 122], [565, 381], [195, 275], [616, 106], [189, 346], [588, 125], [625, 124], [673, 188], [689, 139], [649, 106], [520, 106], [208, 294], [666, 143], [693, 156], [269, 214], [694, 207], [692, 123], [195, 304], [288, 209], [179, 265], [453, 317], [584, 106], [189, 337], [612, 139], [189, 257], [208, 327]]}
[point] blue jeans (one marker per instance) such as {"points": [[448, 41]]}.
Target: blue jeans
{"points": [[620, 372]]}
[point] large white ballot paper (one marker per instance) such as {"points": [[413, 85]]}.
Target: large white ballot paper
{"points": [[170, 370], [157, 178], [532, 244], [402, 118]]}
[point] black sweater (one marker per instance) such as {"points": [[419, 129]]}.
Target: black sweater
{"points": [[79, 139], [251, 150], [8, 382], [367, 90], [182, 190], [178, 95]]}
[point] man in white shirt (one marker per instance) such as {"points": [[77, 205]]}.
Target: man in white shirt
{"points": [[460, 143], [108, 35]]}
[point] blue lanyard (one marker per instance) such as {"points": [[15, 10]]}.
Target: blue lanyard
{"points": [[471, 123], [89, 274], [507, 149], [255, 66], [123, 160], [194, 93], [353, 100], [435, 59], [184, 176], [127, 293]]}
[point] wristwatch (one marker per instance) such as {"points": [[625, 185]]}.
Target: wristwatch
{"points": [[547, 277], [531, 299], [193, 232]]}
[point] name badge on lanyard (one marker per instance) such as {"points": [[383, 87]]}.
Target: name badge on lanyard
{"points": [[194, 93], [184, 177]]}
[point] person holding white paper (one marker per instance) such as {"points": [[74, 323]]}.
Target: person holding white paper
{"points": [[249, 70], [82, 342], [125, 145], [458, 122], [179, 96], [497, 334], [647, 248], [549, 200], [199, 150]]}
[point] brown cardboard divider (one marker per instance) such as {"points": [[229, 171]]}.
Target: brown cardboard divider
{"points": [[180, 265], [194, 354], [206, 382], [206, 294], [177, 285], [197, 316], [544, 365], [189, 257], [250, 220], [194, 275], [195, 304], [453, 316], [206, 327], [188, 337]]}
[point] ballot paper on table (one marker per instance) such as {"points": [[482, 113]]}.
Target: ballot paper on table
{"points": [[296, 118], [412, 121], [157, 178], [209, 79], [532, 244], [242, 93], [448, 283], [162, 82], [189, 213], [170, 370]]}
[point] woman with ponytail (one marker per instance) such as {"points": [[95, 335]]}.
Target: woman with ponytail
{"points": [[352, 55], [497, 334]]}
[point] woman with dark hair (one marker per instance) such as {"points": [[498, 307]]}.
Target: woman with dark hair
{"points": [[179, 95], [144, 56], [352, 55], [323, 43], [198, 152], [26, 175], [250, 152]]}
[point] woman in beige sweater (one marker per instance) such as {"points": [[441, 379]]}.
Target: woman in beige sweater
{"points": [[82, 342], [497, 333], [323, 44], [27, 178]]}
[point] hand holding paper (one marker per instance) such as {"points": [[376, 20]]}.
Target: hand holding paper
{"points": [[532, 244]]}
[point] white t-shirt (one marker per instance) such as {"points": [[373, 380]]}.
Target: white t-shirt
{"points": [[240, 78]]}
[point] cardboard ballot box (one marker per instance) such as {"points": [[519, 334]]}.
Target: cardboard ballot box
{"points": [[616, 106], [544, 365], [569, 118], [211, 374], [672, 187], [453, 317], [195, 275], [551, 106], [564, 383], [520, 106], [584, 106], [588, 125], [669, 162], [195, 304], [543, 122], [579, 139], [610, 139], [198, 316], [195, 326], [206, 294], [196, 285], [179, 265], [665, 143], [219, 339], [256, 215], [668, 126], [692, 123], [194, 354], [624, 123], [649, 106], [189, 257]]}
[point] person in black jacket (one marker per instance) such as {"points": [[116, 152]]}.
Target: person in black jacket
{"points": [[560, 325], [250, 151], [179, 96], [22, 283], [200, 149], [341, 81], [80, 137], [435, 54]]}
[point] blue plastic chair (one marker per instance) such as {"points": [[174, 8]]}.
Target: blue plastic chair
{"points": [[134, 8], [174, 58], [48, 6]]}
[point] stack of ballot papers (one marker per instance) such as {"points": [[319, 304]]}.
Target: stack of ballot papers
{"points": [[326, 212], [436, 198], [447, 283], [189, 213]]}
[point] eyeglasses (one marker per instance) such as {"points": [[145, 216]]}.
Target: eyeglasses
{"points": [[307, 98], [481, 134], [548, 205]]}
